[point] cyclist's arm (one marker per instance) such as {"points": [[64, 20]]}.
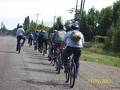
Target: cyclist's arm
{"points": [[82, 38]]}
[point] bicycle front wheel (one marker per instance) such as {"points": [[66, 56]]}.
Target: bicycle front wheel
{"points": [[72, 75]]}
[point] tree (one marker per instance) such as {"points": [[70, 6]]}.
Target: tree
{"points": [[3, 27], [116, 41], [58, 23], [18, 25], [113, 33], [32, 26], [105, 21], [26, 24], [116, 12]]}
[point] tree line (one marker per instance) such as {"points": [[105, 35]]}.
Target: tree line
{"points": [[105, 22]]}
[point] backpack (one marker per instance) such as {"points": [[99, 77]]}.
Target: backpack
{"points": [[75, 36]]}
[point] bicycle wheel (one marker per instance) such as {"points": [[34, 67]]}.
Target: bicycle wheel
{"points": [[19, 48], [72, 74], [44, 52], [59, 65], [67, 77]]}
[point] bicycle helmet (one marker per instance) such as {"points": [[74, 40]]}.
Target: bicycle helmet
{"points": [[74, 25]]}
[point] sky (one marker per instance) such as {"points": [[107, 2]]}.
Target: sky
{"points": [[13, 12]]}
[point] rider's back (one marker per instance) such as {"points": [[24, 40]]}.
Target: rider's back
{"points": [[70, 42], [20, 31], [59, 35]]}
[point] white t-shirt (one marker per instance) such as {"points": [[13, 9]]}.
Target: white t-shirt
{"points": [[71, 43], [20, 31]]}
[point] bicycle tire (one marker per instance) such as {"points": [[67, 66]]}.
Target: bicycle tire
{"points": [[72, 74], [59, 65], [44, 52], [67, 77], [19, 49]]}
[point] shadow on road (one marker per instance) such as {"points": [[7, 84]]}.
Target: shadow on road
{"points": [[39, 63], [48, 83], [41, 70], [41, 58], [7, 51]]}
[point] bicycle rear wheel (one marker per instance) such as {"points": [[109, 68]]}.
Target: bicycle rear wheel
{"points": [[44, 52], [59, 64], [19, 48], [72, 74], [67, 77]]}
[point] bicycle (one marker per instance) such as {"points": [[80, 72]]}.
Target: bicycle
{"points": [[71, 73], [19, 47], [59, 62], [53, 55], [42, 49]]}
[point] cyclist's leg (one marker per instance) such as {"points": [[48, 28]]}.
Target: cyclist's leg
{"points": [[45, 45], [77, 54], [23, 38], [50, 53], [39, 43], [18, 42], [67, 52]]}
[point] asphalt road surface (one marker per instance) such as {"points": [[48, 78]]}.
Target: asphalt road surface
{"points": [[29, 70]]}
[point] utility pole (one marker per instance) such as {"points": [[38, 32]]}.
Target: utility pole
{"points": [[81, 8], [54, 22], [76, 11], [81, 11], [37, 19]]}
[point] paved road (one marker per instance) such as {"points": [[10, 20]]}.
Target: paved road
{"points": [[29, 70]]}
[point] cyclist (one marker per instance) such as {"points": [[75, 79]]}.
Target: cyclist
{"points": [[40, 36], [20, 36], [30, 39], [43, 39], [35, 34], [58, 37], [51, 45], [74, 40], [58, 40]]}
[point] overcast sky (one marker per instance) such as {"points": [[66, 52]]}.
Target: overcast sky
{"points": [[13, 12]]}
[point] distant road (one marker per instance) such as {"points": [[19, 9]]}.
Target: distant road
{"points": [[29, 70]]}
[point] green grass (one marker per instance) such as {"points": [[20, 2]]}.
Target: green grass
{"points": [[100, 58]]}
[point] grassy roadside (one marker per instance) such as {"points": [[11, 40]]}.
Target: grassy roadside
{"points": [[100, 58]]}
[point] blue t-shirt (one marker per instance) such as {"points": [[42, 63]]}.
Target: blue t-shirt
{"points": [[59, 36]]}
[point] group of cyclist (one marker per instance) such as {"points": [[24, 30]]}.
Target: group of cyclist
{"points": [[72, 41]]}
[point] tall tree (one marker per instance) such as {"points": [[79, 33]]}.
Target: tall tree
{"points": [[32, 26], [105, 20], [58, 23], [3, 27], [26, 24], [116, 12]]}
